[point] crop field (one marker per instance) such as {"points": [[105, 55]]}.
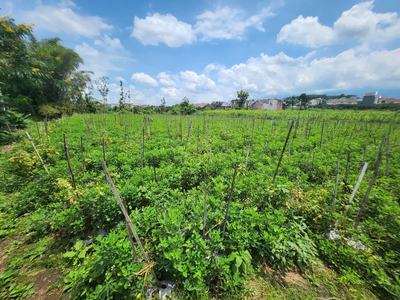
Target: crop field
{"points": [[220, 205]]}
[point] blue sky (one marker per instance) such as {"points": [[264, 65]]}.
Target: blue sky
{"points": [[207, 50]]}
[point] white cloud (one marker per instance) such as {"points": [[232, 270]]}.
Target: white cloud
{"points": [[358, 23], [221, 23], [145, 79], [193, 81], [101, 63], [213, 67], [109, 43], [272, 75], [165, 79], [61, 18], [156, 28], [228, 23], [170, 91], [306, 31]]}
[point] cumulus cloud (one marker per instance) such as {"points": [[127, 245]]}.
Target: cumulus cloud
{"points": [[165, 79], [144, 79], [109, 61], [109, 43], [359, 23], [221, 23], [193, 81], [156, 28], [62, 18], [272, 75], [228, 23]]}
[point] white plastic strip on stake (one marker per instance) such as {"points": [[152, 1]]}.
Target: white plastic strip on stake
{"points": [[364, 169]]}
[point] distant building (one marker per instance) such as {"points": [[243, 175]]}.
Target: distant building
{"points": [[317, 101], [201, 105], [369, 98], [131, 105], [111, 104], [343, 100], [394, 101], [383, 99], [268, 104]]}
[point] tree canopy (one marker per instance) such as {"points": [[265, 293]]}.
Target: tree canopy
{"points": [[39, 77]]}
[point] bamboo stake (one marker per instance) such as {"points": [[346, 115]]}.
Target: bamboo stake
{"points": [[135, 256], [205, 212], [104, 150], [69, 164], [283, 150], [187, 137], [387, 156], [356, 188], [229, 201], [337, 182], [371, 184], [365, 148], [247, 157], [127, 218], [347, 168], [37, 153], [83, 162]]}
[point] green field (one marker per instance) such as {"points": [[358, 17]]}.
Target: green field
{"points": [[264, 235]]}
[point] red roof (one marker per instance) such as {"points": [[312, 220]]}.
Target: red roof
{"points": [[392, 100]]}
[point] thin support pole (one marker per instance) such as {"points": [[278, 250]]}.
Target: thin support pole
{"points": [[127, 218], [229, 201], [283, 150], [37, 153]]}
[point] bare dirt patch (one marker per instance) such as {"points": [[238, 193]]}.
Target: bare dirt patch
{"points": [[43, 281], [3, 255]]}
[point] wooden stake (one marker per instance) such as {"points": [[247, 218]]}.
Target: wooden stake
{"points": [[371, 184], [347, 168], [83, 162], [37, 153], [337, 182], [387, 156], [69, 164], [104, 150], [135, 257], [127, 218], [229, 201], [205, 212], [283, 150]]}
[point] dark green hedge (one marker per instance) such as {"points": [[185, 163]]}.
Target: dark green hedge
{"points": [[390, 106]]}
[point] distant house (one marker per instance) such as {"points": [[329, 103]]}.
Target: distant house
{"points": [[144, 106], [394, 101], [369, 98], [112, 104], [383, 99], [225, 105], [131, 105], [269, 104], [201, 105], [343, 100], [317, 101]]}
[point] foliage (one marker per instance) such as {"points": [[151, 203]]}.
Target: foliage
{"points": [[37, 73], [281, 225], [242, 97]]}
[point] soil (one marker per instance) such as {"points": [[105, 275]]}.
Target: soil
{"points": [[3, 255], [43, 280]]}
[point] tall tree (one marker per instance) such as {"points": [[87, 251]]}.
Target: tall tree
{"points": [[121, 101], [242, 97], [304, 99]]}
